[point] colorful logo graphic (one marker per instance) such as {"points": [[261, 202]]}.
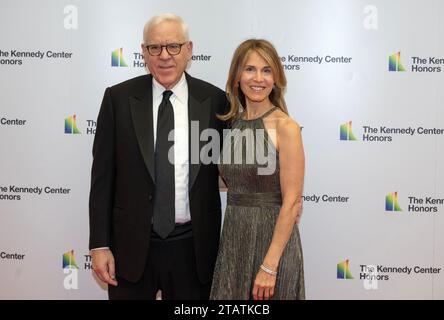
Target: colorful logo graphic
{"points": [[117, 58], [346, 132], [395, 62], [391, 202], [343, 270], [69, 261], [71, 126]]}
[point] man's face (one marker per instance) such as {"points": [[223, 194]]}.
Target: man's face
{"points": [[167, 69]]}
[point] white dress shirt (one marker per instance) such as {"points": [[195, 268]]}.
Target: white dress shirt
{"points": [[179, 100]]}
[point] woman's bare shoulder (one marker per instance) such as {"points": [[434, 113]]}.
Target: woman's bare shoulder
{"points": [[286, 124]]}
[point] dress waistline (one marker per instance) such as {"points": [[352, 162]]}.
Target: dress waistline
{"points": [[265, 199]]}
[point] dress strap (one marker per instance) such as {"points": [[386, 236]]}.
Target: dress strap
{"points": [[268, 112], [262, 116]]}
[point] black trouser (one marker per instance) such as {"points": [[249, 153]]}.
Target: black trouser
{"points": [[171, 268]]}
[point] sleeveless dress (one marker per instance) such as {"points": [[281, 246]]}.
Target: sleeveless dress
{"points": [[253, 204]]}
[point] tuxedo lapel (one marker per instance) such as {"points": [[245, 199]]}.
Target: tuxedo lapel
{"points": [[199, 108], [141, 106]]}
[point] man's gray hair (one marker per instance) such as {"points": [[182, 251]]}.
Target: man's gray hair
{"points": [[154, 21]]}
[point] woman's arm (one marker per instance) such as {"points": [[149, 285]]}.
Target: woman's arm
{"points": [[292, 166]]}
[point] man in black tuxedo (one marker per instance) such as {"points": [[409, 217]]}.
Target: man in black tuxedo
{"points": [[155, 213]]}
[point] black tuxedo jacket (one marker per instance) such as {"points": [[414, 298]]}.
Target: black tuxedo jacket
{"points": [[122, 185]]}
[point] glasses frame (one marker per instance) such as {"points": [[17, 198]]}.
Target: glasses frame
{"points": [[166, 48]]}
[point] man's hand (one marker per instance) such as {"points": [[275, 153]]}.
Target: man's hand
{"points": [[104, 266]]}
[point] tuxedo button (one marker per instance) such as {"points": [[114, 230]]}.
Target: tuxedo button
{"points": [[150, 197]]}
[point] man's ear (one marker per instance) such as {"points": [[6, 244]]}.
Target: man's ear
{"points": [[190, 48]]}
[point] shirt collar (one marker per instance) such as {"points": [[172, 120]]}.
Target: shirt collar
{"points": [[180, 90]]}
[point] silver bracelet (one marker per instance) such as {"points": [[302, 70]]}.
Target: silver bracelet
{"points": [[269, 271]]}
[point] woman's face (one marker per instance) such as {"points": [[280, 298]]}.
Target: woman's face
{"points": [[257, 80]]}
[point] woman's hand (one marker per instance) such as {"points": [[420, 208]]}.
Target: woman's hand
{"points": [[263, 288]]}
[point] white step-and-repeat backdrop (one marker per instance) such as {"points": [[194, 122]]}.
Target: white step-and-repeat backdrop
{"points": [[365, 80]]}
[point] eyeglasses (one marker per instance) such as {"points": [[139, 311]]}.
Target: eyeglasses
{"points": [[172, 48]]}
